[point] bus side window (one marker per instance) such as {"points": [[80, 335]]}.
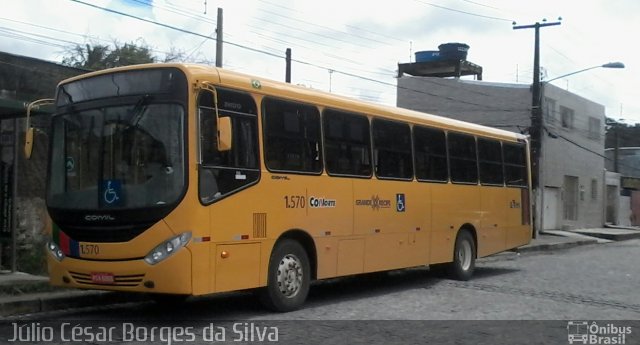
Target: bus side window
{"points": [[392, 149], [515, 164], [490, 159], [347, 143], [463, 162], [430, 147], [292, 136], [224, 172]]}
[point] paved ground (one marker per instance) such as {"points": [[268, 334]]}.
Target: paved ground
{"points": [[540, 295], [26, 294]]}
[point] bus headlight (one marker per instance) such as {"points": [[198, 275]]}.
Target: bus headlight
{"points": [[55, 251], [167, 248]]}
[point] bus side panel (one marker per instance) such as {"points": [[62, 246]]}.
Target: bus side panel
{"points": [[237, 266], [329, 218], [232, 232], [453, 205], [492, 234], [283, 202], [518, 229], [391, 215]]}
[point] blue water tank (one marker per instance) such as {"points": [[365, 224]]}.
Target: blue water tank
{"points": [[428, 55], [453, 51]]}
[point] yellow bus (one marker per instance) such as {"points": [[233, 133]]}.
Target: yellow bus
{"points": [[182, 180]]}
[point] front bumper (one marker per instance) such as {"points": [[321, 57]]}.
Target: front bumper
{"points": [[172, 275]]}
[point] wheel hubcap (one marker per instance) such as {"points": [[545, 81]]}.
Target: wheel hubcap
{"points": [[290, 275], [464, 255]]}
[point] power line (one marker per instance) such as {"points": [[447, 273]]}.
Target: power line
{"points": [[463, 12], [348, 26], [479, 4], [175, 10], [295, 60]]}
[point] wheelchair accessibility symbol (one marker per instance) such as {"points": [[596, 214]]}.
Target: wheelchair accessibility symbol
{"points": [[400, 203], [111, 192]]}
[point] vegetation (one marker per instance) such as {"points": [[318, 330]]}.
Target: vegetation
{"points": [[95, 56], [626, 135]]}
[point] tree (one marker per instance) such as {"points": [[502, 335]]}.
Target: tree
{"points": [[621, 134], [99, 56]]}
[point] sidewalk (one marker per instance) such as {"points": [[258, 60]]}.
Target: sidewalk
{"points": [[22, 293]]}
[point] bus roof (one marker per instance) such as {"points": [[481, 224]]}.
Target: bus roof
{"points": [[303, 94]]}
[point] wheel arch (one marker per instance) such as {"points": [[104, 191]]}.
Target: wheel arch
{"points": [[472, 230], [307, 243]]}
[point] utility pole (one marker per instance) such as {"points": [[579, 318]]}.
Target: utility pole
{"points": [[219, 39], [536, 96], [287, 76], [616, 148], [536, 129]]}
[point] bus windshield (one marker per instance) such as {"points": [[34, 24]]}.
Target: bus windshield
{"points": [[118, 156]]}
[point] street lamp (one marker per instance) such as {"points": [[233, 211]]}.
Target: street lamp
{"points": [[607, 65]]}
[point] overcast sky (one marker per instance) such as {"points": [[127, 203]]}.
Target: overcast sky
{"points": [[353, 47]]}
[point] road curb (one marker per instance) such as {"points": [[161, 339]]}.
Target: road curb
{"points": [[38, 303], [612, 236], [555, 246]]}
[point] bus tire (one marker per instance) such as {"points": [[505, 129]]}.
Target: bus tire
{"points": [[288, 279], [464, 257]]}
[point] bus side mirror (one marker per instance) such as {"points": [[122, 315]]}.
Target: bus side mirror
{"points": [[29, 131], [225, 134], [223, 124]]}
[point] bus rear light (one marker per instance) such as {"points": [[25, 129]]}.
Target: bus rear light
{"points": [[55, 251], [167, 248]]}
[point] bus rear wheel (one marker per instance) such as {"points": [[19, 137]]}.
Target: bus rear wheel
{"points": [[289, 277], [464, 259]]}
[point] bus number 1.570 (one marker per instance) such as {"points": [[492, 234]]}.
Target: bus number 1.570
{"points": [[294, 201]]}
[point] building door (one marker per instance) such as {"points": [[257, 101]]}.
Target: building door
{"points": [[612, 204], [550, 216], [570, 198]]}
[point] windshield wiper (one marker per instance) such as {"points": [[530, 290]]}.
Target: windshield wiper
{"points": [[139, 108]]}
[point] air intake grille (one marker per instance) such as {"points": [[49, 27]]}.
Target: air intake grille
{"points": [[118, 280], [259, 225]]}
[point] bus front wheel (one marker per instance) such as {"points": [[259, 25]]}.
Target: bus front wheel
{"points": [[289, 277]]}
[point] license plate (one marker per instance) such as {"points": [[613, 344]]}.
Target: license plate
{"points": [[102, 278]]}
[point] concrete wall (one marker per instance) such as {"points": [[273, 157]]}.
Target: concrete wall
{"points": [[22, 80], [572, 151], [505, 106]]}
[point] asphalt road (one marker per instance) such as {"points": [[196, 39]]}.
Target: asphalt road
{"points": [[513, 299]]}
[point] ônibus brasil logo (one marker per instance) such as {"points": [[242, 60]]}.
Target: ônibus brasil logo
{"points": [[583, 332]]}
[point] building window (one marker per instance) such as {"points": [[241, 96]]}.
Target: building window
{"points": [[550, 110], [594, 189], [570, 201], [594, 128], [566, 116]]}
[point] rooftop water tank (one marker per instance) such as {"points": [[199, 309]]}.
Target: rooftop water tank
{"points": [[428, 56], [453, 51]]}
